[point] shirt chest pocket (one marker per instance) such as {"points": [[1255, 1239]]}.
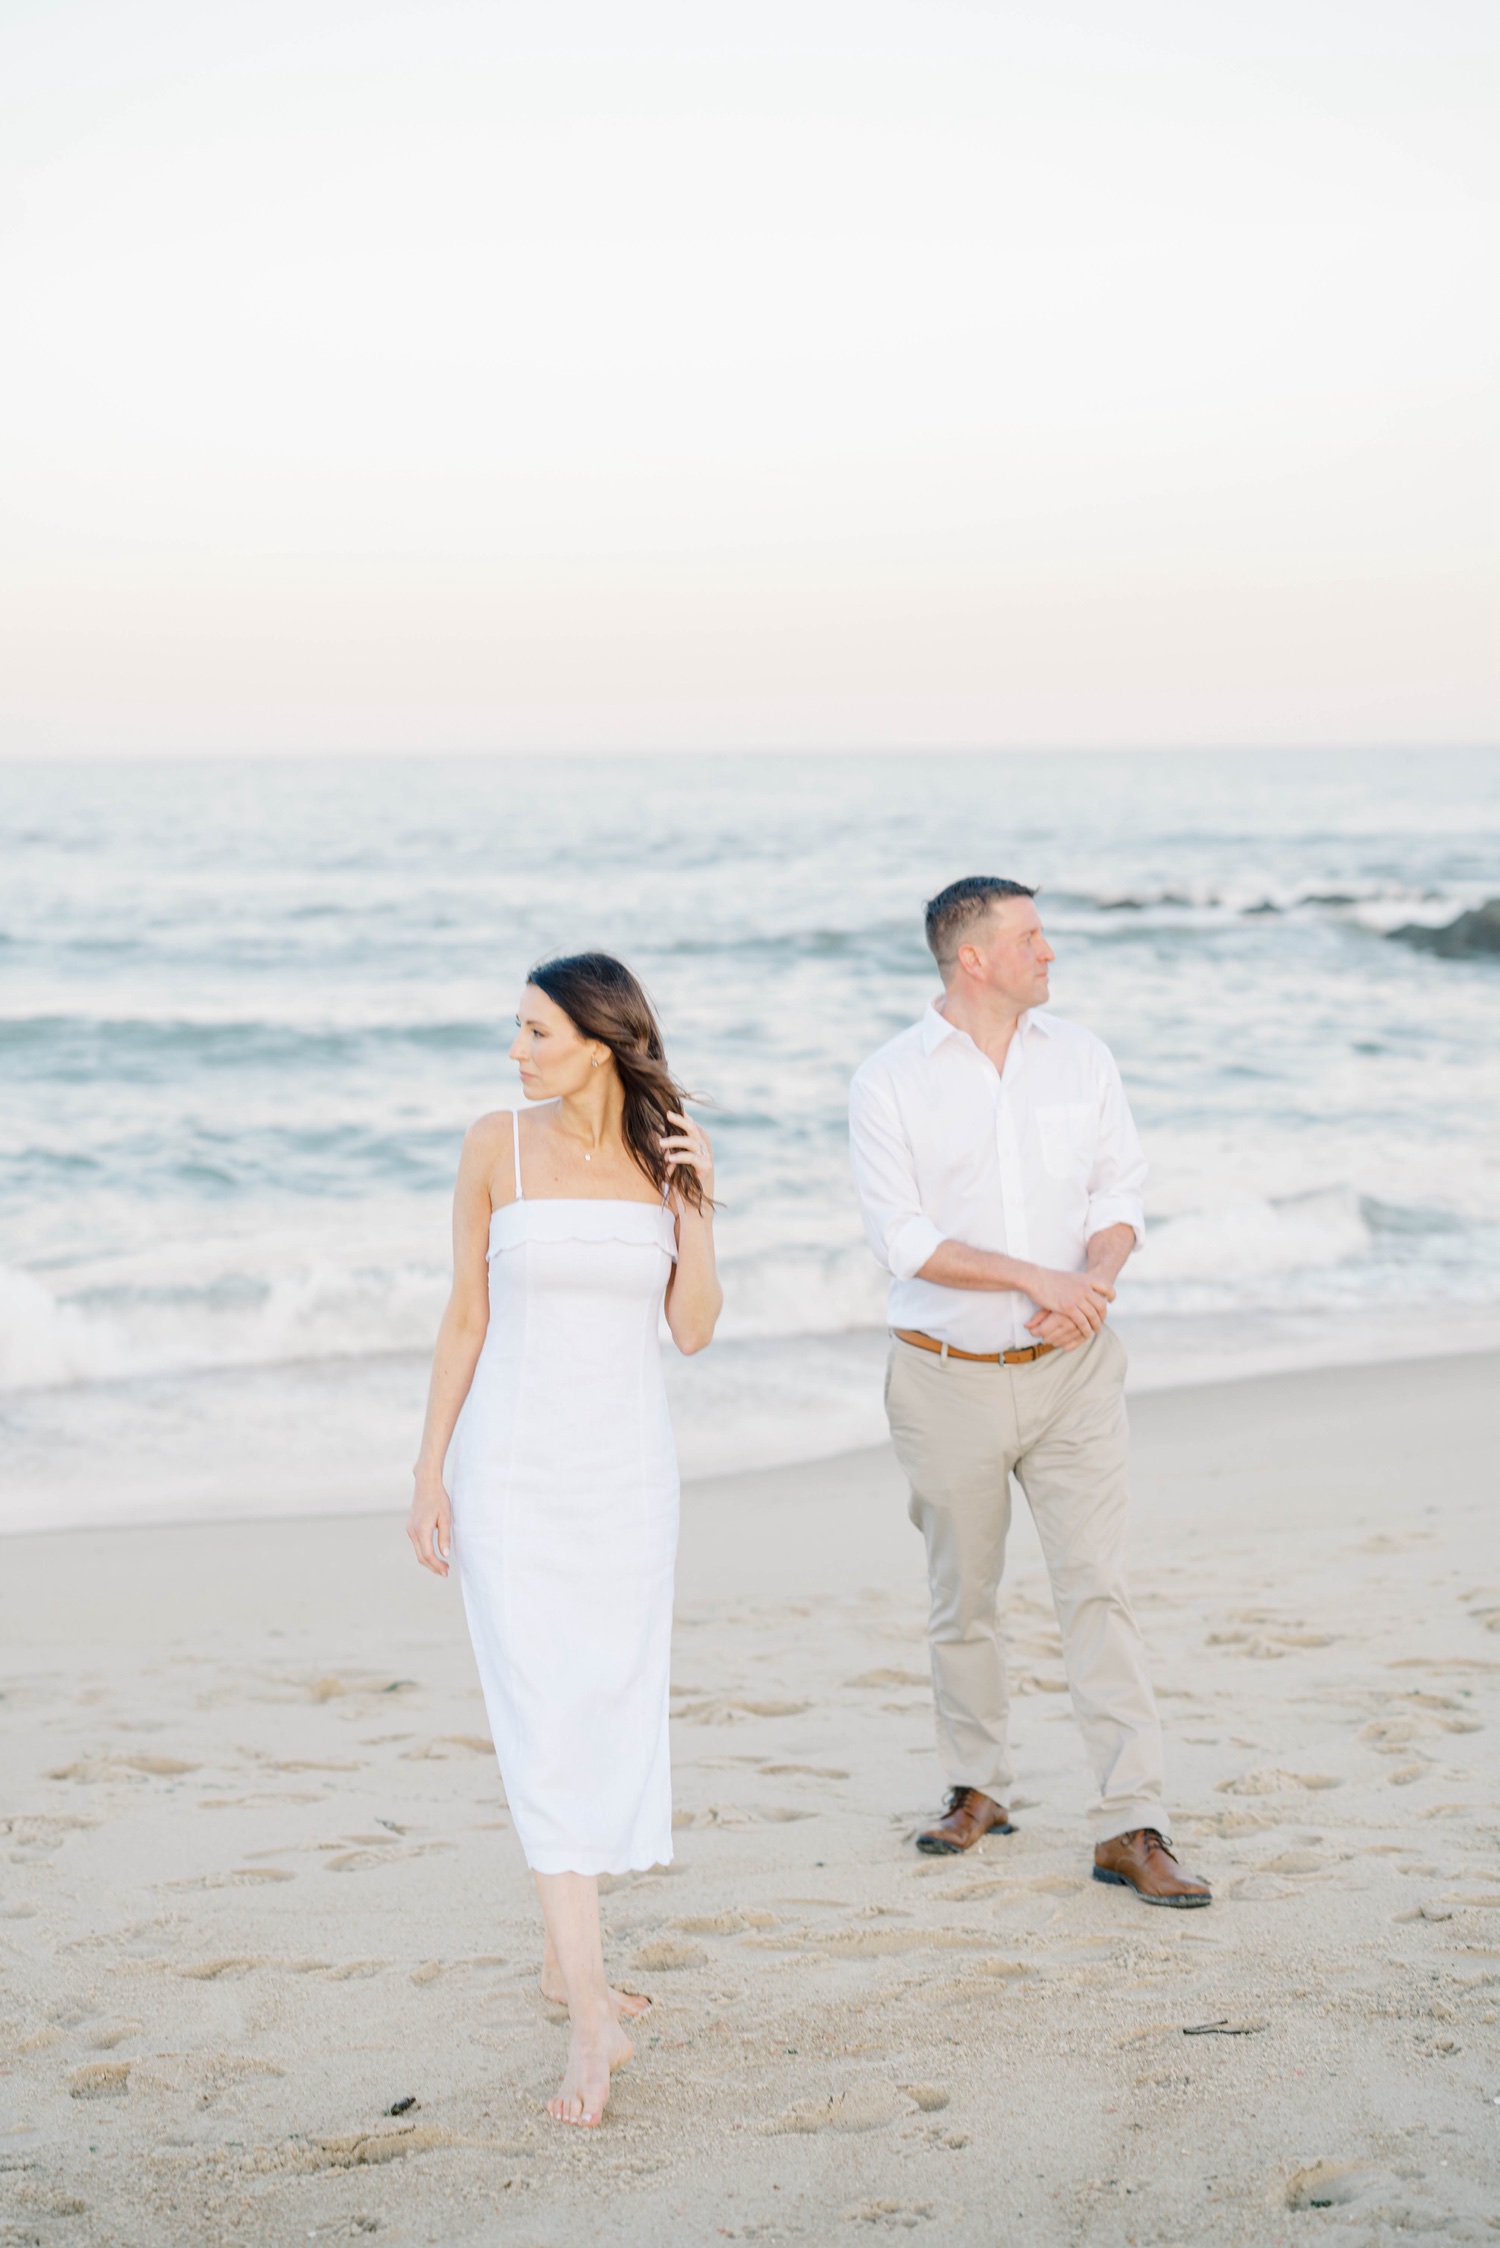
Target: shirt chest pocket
{"points": [[1068, 1132]]}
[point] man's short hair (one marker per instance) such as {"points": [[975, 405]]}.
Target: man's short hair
{"points": [[956, 910]]}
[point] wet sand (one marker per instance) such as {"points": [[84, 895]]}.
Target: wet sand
{"points": [[260, 1886]]}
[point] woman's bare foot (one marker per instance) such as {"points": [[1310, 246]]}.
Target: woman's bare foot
{"points": [[623, 2004], [592, 2059]]}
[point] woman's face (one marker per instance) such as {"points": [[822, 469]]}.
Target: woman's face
{"points": [[553, 1059]]}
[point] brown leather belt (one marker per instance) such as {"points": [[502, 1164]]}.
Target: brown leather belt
{"points": [[919, 1341]]}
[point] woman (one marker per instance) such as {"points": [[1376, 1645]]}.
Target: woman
{"points": [[571, 1225]]}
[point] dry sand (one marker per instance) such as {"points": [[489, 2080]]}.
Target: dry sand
{"points": [[259, 1883]]}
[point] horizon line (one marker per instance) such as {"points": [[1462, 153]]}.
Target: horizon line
{"points": [[457, 754]]}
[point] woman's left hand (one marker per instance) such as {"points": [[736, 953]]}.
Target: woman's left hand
{"points": [[692, 1147]]}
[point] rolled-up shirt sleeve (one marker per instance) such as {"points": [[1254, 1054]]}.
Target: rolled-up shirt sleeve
{"points": [[885, 1180], [1117, 1183]]}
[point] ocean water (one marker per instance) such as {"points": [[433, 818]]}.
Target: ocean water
{"points": [[246, 1012]]}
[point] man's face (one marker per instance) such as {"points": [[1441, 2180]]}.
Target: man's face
{"points": [[1007, 954]]}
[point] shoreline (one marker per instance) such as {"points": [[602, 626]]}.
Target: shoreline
{"points": [[44, 1493]]}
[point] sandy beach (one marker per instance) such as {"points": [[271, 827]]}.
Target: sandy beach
{"points": [[260, 1888]]}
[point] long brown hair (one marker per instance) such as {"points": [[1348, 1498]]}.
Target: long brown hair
{"points": [[604, 1001]]}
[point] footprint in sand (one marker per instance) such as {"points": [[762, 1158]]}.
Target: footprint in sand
{"points": [[1388, 1736], [353, 2150], [1224, 1823], [314, 1764], [223, 1970], [333, 1688], [1011, 1886], [1272, 1780], [223, 2073], [89, 1770], [99, 2080], [239, 1964], [1450, 1702], [890, 1678], [448, 1745], [812, 1771], [1269, 1646], [884, 1943], [734, 1709], [737, 1815], [667, 1957], [380, 1851], [1259, 1889], [894, 2216], [433, 1970], [731, 1923], [864, 2107], [241, 1877], [1326, 2185], [42, 1832], [270, 1800]]}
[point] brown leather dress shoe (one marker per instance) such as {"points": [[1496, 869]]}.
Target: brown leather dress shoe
{"points": [[1142, 1862], [969, 1816]]}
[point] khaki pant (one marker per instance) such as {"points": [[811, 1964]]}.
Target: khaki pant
{"points": [[960, 1430]]}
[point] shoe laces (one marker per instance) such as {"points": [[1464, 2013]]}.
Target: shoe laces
{"points": [[1155, 1841], [957, 1798]]}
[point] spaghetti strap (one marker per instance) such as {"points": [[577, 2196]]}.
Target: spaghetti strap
{"points": [[515, 1141]]}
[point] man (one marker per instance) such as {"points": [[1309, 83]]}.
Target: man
{"points": [[1000, 1178]]}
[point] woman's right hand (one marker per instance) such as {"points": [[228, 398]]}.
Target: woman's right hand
{"points": [[430, 1524]]}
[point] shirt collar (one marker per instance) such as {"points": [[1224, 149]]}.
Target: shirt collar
{"points": [[936, 1027]]}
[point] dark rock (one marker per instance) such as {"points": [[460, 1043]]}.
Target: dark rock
{"points": [[1471, 935]]}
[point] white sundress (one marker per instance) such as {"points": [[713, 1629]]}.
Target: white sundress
{"points": [[565, 1507]]}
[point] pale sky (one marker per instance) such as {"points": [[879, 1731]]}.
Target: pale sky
{"points": [[816, 374]]}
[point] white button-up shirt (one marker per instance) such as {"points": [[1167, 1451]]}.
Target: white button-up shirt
{"points": [[1029, 1161]]}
